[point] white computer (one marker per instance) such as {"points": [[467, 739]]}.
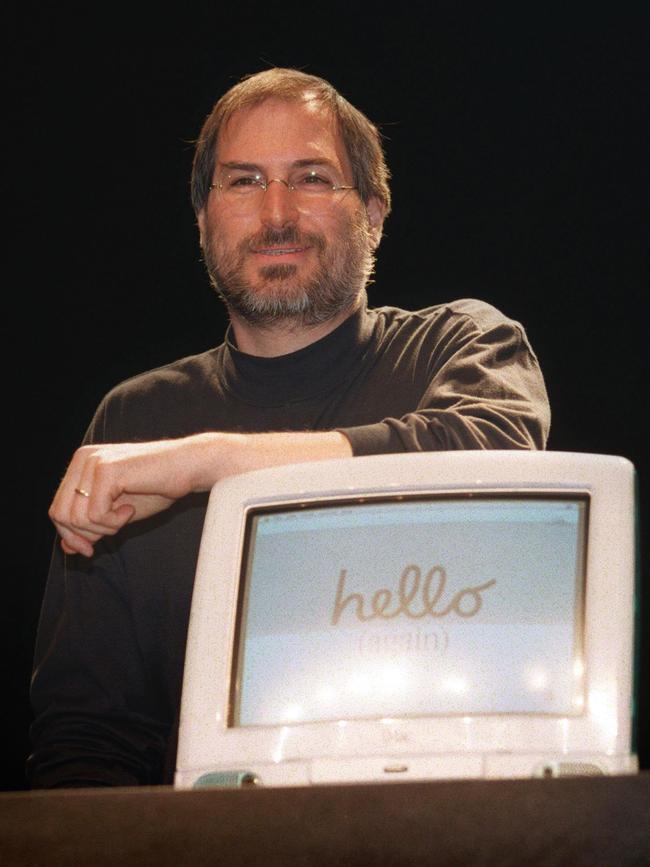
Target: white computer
{"points": [[416, 616]]}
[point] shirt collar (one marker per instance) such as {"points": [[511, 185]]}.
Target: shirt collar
{"points": [[309, 373]]}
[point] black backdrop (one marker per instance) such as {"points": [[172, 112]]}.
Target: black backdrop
{"points": [[520, 176]]}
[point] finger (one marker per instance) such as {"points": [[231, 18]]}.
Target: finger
{"points": [[81, 525], [84, 550], [82, 496], [64, 498], [72, 543], [81, 541]]}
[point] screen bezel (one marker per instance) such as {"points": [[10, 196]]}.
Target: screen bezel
{"points": [[484, 494]]}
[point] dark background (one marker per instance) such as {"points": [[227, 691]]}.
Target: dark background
{"points": [[517, 144]]}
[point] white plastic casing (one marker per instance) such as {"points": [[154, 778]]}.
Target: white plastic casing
{"points": [[490, 745]]}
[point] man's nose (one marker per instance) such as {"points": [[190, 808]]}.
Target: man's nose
{"points": [[278, 205]]}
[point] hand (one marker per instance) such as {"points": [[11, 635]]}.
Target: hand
{"points": [[106, 486]]}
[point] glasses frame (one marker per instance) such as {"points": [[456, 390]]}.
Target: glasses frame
{"points": [[264, 183]]}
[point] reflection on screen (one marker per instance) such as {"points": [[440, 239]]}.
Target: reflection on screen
{"points": [[413, 607]]}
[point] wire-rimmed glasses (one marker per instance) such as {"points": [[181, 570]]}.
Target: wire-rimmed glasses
{"points": [[312, 188]]}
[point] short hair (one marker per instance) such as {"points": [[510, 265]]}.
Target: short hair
{"points": [[361, 138]]}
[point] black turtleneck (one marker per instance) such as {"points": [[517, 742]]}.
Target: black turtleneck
{"points": [[112, 635], [308, 375]]}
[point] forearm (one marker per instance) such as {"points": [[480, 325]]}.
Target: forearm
{"points": [[217, 455], [107, 486]]}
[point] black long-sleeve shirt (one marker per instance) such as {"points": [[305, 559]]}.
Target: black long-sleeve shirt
{"points": [[111, 642]]}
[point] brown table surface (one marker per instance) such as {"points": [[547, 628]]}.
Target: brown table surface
{"points": [[574, 821]]}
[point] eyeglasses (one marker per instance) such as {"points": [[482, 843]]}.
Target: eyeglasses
{"points": [[312, 189]]}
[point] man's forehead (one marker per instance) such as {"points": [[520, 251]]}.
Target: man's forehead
{"points": [[295, 128], [307, 104]]}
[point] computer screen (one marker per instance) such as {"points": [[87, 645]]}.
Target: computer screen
{"points": [[411, 606]]}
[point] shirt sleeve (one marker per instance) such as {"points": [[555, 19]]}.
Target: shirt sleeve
{"points": [[484, 390]]}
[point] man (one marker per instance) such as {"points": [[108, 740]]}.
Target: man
{"points": [[290, 190]]}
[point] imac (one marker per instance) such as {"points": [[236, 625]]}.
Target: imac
{"points": [[415, 616]]}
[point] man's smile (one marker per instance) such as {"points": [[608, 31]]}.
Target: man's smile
{"points": [[279, 251]]}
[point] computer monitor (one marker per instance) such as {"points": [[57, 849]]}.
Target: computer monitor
{"points": [[414, 616]]}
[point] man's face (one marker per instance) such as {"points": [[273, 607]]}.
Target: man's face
{"points": [[286, 257]]}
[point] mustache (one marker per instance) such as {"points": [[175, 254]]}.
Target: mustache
{"points": [[288, 235]]}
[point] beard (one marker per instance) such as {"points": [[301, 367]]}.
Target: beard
{"points": [[344, 265]]}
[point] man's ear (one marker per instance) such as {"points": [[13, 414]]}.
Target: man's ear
{"points": [[376, 212]]}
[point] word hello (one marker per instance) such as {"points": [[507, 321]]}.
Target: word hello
{"points": [[414, 597]]}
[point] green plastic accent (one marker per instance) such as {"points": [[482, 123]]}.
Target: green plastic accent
{"points": [[226, 780]]}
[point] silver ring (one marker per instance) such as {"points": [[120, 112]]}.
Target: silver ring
{"points": [[82, 492]]}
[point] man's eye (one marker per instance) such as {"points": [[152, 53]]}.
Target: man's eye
{"points": [[313, 179], [244, 181]]}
